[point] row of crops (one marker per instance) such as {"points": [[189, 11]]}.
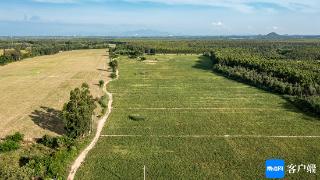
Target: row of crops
{"points": [[288, 67]]}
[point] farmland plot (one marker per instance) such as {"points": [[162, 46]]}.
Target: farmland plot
{"points": [[196, 125], [34, 90]]}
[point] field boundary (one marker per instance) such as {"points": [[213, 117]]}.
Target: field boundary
{"points": [[80, 159], [204, 108], [208, 136]]}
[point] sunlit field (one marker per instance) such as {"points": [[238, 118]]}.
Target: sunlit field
{"points": [[196, 124], [34, 90]]}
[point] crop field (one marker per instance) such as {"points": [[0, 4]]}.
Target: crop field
{"points": [[34, 90], [197, 125]]}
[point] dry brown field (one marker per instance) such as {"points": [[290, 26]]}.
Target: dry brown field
{"points": [[34, 90]]}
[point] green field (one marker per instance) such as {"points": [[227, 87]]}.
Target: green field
{"points": [[188, 112]]}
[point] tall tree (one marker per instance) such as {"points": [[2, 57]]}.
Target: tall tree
{"points": [[77, 113]]}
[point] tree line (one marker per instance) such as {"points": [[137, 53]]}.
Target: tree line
{"points": [[300, 80], [269, 49], [20, 49]]}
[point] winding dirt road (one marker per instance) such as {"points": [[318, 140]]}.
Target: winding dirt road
{"points": [[75, 166]]}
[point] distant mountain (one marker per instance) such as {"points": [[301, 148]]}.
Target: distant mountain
{"points": [[145, 33], [273, 35]]}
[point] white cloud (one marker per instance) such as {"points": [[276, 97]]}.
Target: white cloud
{"points": [[56, 1], [275, 27], [219, 23], [239, 5], [68, 1], [246, 5]]}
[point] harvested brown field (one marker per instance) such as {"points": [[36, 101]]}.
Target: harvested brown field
{"points": [[34, 90]]}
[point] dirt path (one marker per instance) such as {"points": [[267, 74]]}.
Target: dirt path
{"points": [[77, 163]]}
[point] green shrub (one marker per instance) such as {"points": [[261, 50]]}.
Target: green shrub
{"points": [[9, 145], [16, 137], [101, 83], [114, 65], [40, 165], [55, 142], [143, 58], [103, 111], [103, 101], [136, 117], [12, 172], [113, 75], [50, 166], [65, 141], [11, 142], [23, 160], [49, 141]]}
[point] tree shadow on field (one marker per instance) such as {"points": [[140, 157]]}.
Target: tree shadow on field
{"points": [[300, 108], [49, 119], [203, 63], [99, 69], [304, 112]]}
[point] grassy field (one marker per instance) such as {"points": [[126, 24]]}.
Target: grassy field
{"points": [[34, 90], [188, 110]]}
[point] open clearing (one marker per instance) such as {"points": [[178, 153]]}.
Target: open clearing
{"points": [[198, 125], [34, 90]]}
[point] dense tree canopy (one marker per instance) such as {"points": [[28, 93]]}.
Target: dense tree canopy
{"points": [[77, 113], [300, 79]]}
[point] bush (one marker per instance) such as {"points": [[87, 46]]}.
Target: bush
{"points": [[143, 58], [17, 137], [40, 165], [103, 101], [136, 117], [114, 65], [55, 142], [51, 165], [113, 75], [11, 142], [49, 141], [9, 145], [101, 83], [23, 160], [12, 172]]}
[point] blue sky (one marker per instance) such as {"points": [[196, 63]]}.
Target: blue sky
{"points": [[159, 17]]}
